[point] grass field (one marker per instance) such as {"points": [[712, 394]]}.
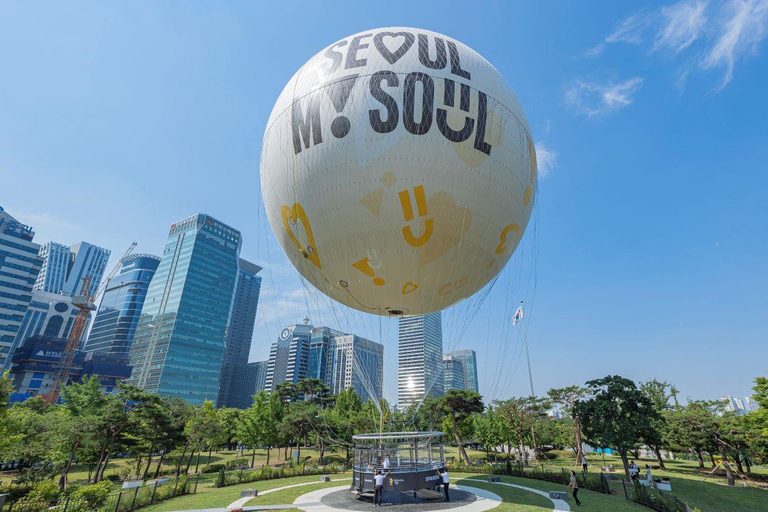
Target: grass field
{"points": [[689, 483]]}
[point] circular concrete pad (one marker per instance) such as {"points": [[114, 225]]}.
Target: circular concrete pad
{"points": [[463, 498]]}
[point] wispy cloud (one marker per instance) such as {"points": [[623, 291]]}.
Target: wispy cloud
{"points": [[46, 221], [595, 99], [720, 32], [631, 30], [546, 159], [742, 29], [680, 25]]}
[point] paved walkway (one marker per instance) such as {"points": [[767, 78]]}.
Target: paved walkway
{"points": [[242, 501], [560, 505]]}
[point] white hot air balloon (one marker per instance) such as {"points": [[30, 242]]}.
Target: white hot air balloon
{"points": [[398, 171]]}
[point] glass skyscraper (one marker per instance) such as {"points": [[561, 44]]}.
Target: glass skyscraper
{"points": [[419, 358], [343, 360], [178, 346], [289, 356], [118, 314], [468, 359], [454, 376], [235, 388], [19, 268], [65, 267]]}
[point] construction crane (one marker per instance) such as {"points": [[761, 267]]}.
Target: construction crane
{"points": [[85, 303]]}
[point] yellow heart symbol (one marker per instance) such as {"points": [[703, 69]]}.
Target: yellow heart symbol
{"points": [[294, 215], [504, 241], [409, 287]]}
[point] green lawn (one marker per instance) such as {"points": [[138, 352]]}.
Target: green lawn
{"points": [[207, 497]]}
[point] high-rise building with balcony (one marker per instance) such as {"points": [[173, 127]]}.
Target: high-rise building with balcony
{"points": [[419, 358], [178, 346], [118, 314], [234, 389], [19, 268]]}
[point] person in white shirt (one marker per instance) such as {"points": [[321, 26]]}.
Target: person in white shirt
{"points": [[386, 463], [583, 463], [446, 482], [648, 476], [378, 489]]}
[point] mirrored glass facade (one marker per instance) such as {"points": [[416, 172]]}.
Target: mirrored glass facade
{"points": [[118, 315], [178, 346]]}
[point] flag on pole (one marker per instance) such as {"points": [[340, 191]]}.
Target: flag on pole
{"points": [[518, 314]]}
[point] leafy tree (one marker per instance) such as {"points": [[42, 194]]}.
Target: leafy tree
{"points": [[521, 415], [314, 390], [459, 405], [756, 422], [566, 398], [660, 395], [260, 423], [287, 392], [7, 439], [229, 418], [617, 415], [299, 422]]}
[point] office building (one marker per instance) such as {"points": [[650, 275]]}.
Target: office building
{"points": [[468, 359], [49, 314], [118, 314], [257, 376], [740, 406], [19, 268], [35, 364], [419, 358], [343, 360], [65, 267], [454, 373], [53, 274], [178, 346], [235, 371], [289, 356]]}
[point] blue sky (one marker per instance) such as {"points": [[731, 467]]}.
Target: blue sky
{"points": [[651, 239]]}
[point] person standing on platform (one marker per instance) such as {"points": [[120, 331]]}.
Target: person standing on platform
{"points": [[378, 489], [446, 482], [575, 486], [386, 463]]}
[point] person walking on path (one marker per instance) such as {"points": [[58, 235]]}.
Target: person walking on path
{"points": [[648, 476], [378, 489], [583, 463], [446, 483], [575, 486]]}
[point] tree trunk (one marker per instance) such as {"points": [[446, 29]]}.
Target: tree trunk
{"points": [[181, 459], [189, 460], [149, 463], [712, 460], [577, 433], [521, 448], [749, 465], [160, 463], [197, 461], [98, 465], [106, 459], [209, 456], [701, 459], [728, 472], [298, 450], [657, 451], [253, 457], [322, 450], [268, 449], [462, 452], [738, 464], [625, 461], [67, 466]]}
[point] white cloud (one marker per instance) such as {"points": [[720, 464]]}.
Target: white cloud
{"points": [[740, 30], [680, 25], [594, 99], [46, 221], [546, 159], [631, 30]]}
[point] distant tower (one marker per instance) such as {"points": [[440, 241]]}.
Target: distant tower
{"points": [[468, 359], [235, 369], [289, 356], [178, 347], [121, 304], [19, 268], [420, 358], [454, 374], [65, 267]]}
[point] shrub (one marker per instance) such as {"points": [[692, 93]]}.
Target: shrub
{"points": [[237, 463], [221, 480], [39, 498], [90, 497], [212, 468]]}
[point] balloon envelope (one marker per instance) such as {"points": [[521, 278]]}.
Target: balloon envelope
{"points": [[398, 171]]}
